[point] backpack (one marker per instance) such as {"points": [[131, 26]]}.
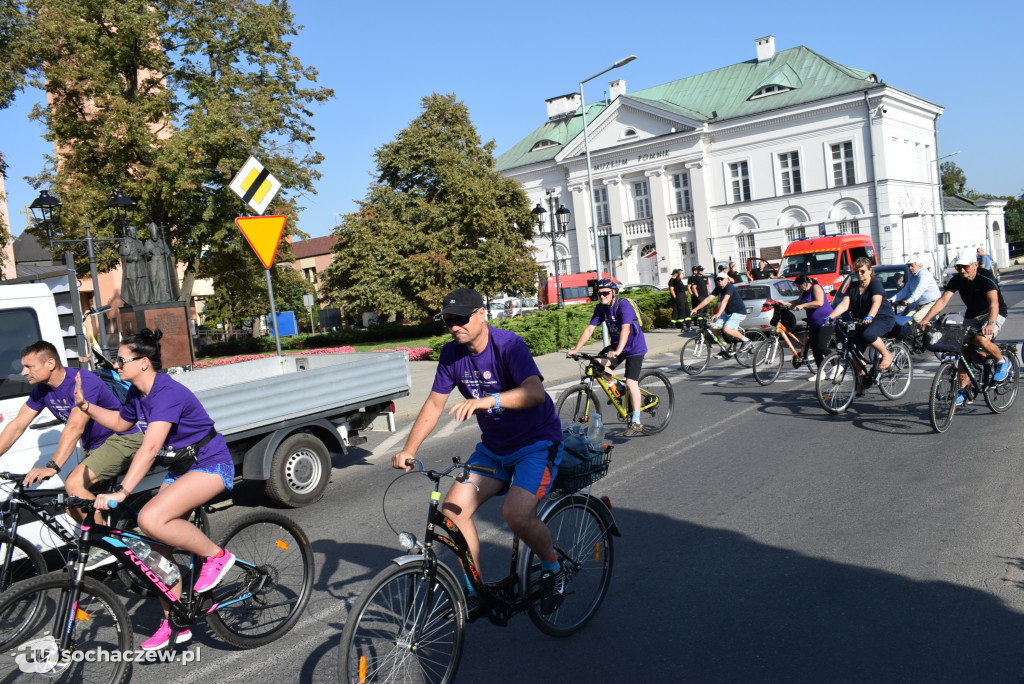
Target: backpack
{"points": [[112, 380], [636, 310]]}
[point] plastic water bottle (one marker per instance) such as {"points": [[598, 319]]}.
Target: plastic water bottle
{"points": [[166, 570], [595, 432]]}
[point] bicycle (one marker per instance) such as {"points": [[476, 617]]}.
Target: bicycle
{"points": [[409, 624], [41, 505], [60, 614], [977, 364], [578, 404], [769, 355], [837, 377], [696, 352]]}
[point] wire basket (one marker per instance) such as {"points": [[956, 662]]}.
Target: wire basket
{"points": [[574, 479], [945, 338]]}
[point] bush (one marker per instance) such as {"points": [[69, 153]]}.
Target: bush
{"points": [[340, 338]]}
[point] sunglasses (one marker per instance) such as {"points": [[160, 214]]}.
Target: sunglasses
{"points": [[604, 293], [120, 360], [461, 321], [963, 267]]}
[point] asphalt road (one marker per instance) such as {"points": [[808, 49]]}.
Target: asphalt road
{"points": [[763, 540]]}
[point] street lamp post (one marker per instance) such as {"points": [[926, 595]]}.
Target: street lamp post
{"points": [[559, 222], [942, 201]]}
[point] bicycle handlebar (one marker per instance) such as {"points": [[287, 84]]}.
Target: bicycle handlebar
{"points": [[438, 474], [85, 505]]}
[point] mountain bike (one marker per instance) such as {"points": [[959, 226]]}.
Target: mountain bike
{"points": [[20, 559], [769, 355], [54, 618], [696, 352], [977, 364], [409, 623], [836, 383], [577, 404]]}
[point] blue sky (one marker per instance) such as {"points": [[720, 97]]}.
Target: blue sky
{"points": [[504, 59]]}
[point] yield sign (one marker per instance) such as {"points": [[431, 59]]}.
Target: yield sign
{"points": [[263, 234]]}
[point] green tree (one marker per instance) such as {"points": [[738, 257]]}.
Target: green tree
{"points": [[165, 100], [954, 180], [1015, 218], [438, 217]]}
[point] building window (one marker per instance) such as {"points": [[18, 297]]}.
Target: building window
{"points": [[769, 90], [795, 234], [842, 164], [681, 183], [541, 144], [601, 206], [740, 182], [642, 200], [745, 245], [789, 170], [848, 227], [309, 274]]}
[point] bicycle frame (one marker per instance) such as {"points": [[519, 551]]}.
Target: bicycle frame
{"points": [[10, 518], [596, 373]]}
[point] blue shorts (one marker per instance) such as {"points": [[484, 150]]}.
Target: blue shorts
{"points": [[532, 468], [215, 459], [730, 320]]}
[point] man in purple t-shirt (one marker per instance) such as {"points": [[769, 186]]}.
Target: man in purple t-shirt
{"points": [[521, 435], [107, 454], [628, 343]]}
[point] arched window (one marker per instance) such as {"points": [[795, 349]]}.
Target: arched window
{"points": [[773, 89], [629, 133], [541, 144]]}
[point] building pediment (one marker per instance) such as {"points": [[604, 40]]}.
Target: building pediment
{"points": [[626, 122]]}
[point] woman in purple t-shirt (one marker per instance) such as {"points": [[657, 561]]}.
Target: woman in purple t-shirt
{"points": [[173, 420], [814, 301]]}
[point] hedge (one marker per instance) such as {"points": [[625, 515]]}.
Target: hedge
{"points": [[340, 338]]}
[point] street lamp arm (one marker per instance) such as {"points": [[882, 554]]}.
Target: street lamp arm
{"points": [[622, 62]]}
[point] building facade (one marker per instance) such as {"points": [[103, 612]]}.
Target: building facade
{"points": [[737, 163]]}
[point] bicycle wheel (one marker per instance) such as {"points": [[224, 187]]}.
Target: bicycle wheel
{"points": [[768, 359], [100, 625], [1000, 396], [656, 401], [835, 384], [584, 546], [403, 629], [695, 355], [746, 359], [942, 397], [26, 561], [577, 405], [273, 571], [128, 520], [894, 381]]}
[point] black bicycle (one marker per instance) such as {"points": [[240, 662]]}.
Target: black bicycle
{"points": [[63, 614], [409, 624], [696, 353], [977, 364], [836, 384]]}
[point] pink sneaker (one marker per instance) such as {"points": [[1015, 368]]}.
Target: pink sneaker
{"points": [[213, 571], [162, 636]]}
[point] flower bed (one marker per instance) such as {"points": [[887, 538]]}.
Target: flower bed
{"points": [[416, 354]]}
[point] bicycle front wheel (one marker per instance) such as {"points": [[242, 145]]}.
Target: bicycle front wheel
{"points": [[264, 594], [99, 623], [746, 359], [656, 401], [403, 629], [835, 384], [894, 381], [695, 355], [583, 542], [577, 405], [768, 359], [942, 397], [25, 561], [999, 396]]}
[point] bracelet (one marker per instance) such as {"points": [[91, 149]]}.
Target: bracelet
{"points": [[52, 464], [87, 407], [497, 400]]}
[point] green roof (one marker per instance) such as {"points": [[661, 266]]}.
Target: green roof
{"points": [[958, 203], [715, 96]]}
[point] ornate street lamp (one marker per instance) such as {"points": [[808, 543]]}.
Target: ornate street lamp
{"points": [[46, 211], [559, 221]]}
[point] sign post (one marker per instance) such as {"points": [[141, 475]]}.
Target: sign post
{"points": [[307, 299]]}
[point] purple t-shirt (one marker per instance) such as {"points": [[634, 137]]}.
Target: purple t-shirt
{"points": [[502, 366], [815, 317], [617, 316], [170, 401], [61, 399]]}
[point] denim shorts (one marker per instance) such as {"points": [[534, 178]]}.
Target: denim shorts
{"points": [[730, 320], [532, 467]]}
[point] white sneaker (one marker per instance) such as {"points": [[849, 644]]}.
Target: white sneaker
{"points": [[812, 378], [98, 558]]}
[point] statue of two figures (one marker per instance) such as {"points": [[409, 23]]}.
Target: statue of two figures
{"points": [[150, 275]]}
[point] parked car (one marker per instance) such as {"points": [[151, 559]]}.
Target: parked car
{"points": [[642, 286], [893, 277], [520, 307], [755, 294]]}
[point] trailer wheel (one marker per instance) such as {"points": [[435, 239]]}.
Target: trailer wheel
{"points": [[300, 471]]}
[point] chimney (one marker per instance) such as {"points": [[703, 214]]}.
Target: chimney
{"points": [[618, 87], [563, 105], [765, 48]]}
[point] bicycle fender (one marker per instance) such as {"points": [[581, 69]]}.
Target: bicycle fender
{"points": [[409, 558]]}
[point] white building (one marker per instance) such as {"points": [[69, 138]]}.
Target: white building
{"points": [[739, 161]]}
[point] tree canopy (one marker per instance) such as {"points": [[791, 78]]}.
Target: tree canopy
{"points": [[165, 100], [954, 180], [438, 217]]}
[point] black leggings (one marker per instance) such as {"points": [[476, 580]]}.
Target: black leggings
{"points": [[818, 339]]}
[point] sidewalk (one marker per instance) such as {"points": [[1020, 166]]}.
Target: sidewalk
{"points": [[554, 367]]}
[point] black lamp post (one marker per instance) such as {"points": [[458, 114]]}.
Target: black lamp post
{"points": [[559, 222]]}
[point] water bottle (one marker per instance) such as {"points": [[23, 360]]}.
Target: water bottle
{"points": [[595, 432], [162, 567]]}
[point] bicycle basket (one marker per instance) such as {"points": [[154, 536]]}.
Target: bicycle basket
{"points": [[945, 338], [581, 464]]}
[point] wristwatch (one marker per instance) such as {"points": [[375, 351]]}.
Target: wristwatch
{"points": [[497, 400], [52, 464]]}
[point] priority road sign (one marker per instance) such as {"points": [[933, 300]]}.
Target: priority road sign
{"points": [[255, 185], [263, 234]]}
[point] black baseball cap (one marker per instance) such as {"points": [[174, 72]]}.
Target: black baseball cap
{"points": [[462, 302]]}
